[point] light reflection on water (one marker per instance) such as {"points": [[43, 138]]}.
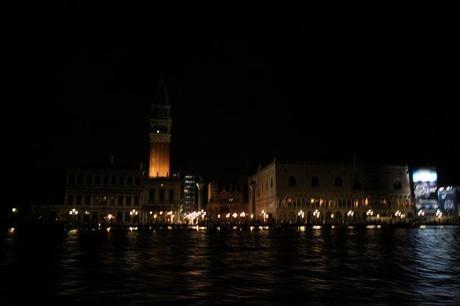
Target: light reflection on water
{"points": [[320, 266]]}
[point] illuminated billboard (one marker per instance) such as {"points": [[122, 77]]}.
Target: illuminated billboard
{"points": [[447, 199], [425, 191]]}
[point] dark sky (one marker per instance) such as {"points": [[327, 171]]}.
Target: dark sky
{"points": [[247, 83]]}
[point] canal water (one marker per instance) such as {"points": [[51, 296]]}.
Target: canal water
{"points": [[353, 266]]}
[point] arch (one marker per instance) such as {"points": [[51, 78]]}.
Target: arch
{"points": [[338, 217], [338, 182], [315, 181]]}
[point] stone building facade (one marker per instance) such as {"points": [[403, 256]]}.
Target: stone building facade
{"points": [[314, 192], [225, 200]]}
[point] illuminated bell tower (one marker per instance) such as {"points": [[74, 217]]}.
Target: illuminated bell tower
{"points": [[160, 134]]}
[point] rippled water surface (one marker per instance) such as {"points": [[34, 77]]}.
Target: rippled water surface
{"points": [[335, 266]]}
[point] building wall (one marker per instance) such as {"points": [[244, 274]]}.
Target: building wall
{"points": [[332, 189], [263, 190], [126, 195]]}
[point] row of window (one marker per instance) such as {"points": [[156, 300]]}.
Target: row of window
{"points": [[103, 179], [338, 182], [342, 203], [161, 195], [102, 200]]}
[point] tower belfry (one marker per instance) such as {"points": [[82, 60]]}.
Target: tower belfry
{"points": [[160, 134]]}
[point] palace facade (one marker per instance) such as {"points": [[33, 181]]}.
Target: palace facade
{"points": [[319, 192]]}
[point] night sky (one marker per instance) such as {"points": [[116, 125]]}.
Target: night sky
{"points": [[246, 83]]}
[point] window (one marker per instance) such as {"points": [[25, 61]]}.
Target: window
{"points": [[138, 180], [120, 200], [129, 181], [151, 195], [78, 198], [71, 179], [338, 182], [397, 185], [136, 201], [292, 181], [97, 179], [271, 183], [315, 181], [171, 196], [87, 200], [356, 185], [89, 179], [80, 179], [106, 179], [162, 196], [70, 199], [114, 180], [128, 201], [122, 180]]}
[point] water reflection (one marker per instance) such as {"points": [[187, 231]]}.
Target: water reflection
{"points": [[312, 266]]}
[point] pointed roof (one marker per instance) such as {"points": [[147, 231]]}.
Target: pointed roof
{"points": [[161, 95]]}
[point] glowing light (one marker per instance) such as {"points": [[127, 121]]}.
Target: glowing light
{"points": [[332, 216], [251, 228], [227, 215], [151, 212], [73, 231], [421, 213], [370, 212], [350, 213], [218, 216], [316, 213], [252, 216], [302, 228], [235, 215], [316, 227], [11, 230], [108, 229], [14, 209], [155, 216], [110, 216], [243, 214], [425, 175]]}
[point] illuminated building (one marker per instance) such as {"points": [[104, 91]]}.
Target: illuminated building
{"points": [[222, 201], [189, 196], [125, 196], [160, 135], [315, 192]]}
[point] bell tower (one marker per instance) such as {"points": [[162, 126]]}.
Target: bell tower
{"points": [[160, 134]]}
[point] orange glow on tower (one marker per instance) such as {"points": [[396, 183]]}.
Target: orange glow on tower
{"points": [[160, 135]]}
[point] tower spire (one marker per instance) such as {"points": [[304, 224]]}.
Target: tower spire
{"points": [[160, 133]]}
